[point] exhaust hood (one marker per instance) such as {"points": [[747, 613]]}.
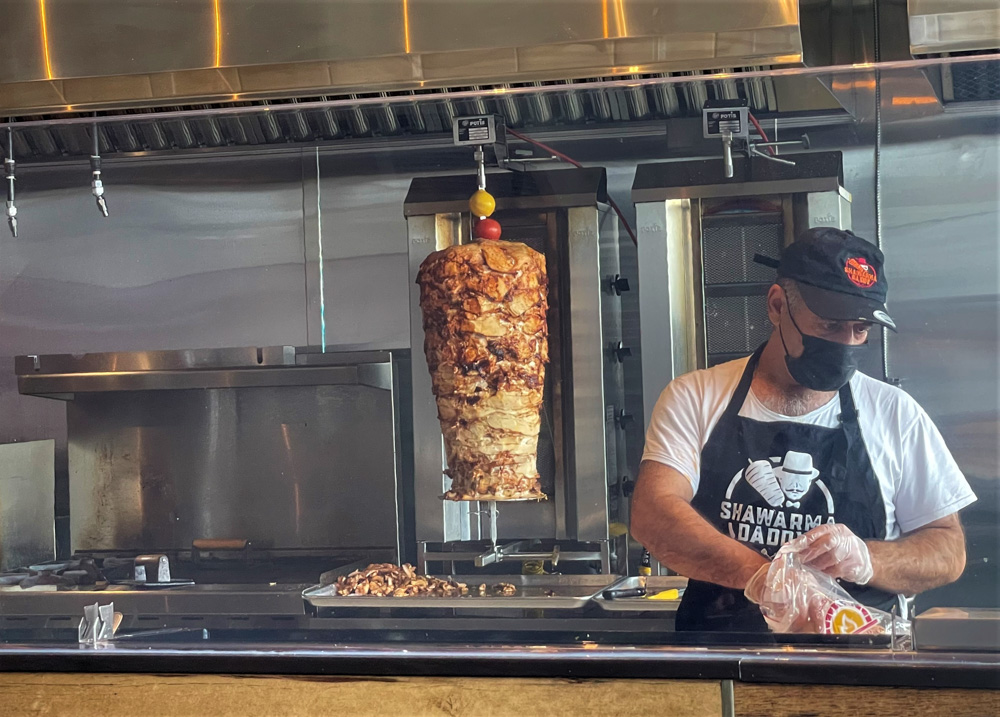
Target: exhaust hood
{"points": [[82, 55], [207, 74]]}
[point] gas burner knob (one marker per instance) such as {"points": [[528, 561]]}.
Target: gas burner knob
{"points": [[624, 419], [620, 284], [620, 351]]}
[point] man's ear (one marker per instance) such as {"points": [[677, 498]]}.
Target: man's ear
{"points": [[776, 301]]}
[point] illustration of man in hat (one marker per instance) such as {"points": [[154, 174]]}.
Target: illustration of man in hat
{"points": [[785, 484]]}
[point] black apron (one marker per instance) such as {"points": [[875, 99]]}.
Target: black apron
{"points": [[828, 478]]}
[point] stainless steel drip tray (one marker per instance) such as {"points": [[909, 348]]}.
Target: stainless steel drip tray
{"points": [[192, 600], [957, 629], [627, 601], [533, 592]]}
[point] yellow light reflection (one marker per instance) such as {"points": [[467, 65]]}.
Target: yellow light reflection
{"points": [[45, 40], [604, 17], [853, 84], [920, 100], [633, 68], [406, 26], [620, 18], [790, 12], [218, 32]]}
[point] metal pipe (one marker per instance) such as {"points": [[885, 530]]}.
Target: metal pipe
{"points": [[779, 160], [727, 153], [8, 165], [480, 167], [782, 143], [96, 185]]}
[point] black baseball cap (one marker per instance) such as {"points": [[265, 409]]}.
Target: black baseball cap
{"points": [[839, 275]]}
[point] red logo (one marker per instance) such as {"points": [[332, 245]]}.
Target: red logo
{"points": [[860, 272]]}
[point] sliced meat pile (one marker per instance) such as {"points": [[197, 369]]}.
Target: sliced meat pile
{"points": [[486, 342], [388, 580]]}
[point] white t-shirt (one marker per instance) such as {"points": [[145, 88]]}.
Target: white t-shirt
{"points": [[919, 480]]}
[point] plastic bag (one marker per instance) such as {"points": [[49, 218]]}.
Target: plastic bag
{"points": [[796, 598]]}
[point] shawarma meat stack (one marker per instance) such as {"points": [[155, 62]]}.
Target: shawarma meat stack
{"points": [[486, 341]]}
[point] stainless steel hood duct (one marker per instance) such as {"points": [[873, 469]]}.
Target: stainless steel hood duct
{"points": [[73, 55]]}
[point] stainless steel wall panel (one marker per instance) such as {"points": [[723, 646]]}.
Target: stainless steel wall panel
{"points": [[27, 518], [587, 492], [204, 253], [289, 467], [366, 267], [666, 274]]}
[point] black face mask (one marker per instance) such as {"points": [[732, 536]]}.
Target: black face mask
{"points": [[824, 365]]}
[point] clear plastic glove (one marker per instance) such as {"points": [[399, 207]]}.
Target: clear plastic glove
{"points": [[790, 599], [836, 551], [794, 597], [760, 474]]}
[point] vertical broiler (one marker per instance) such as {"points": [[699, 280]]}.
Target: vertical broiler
{"points": [[516, 459]]}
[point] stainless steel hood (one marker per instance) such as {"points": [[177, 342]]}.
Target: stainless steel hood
{"points": [[939, 26], [72, 55]]}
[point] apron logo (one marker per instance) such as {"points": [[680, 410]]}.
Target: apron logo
{"points": [[860, 272], [783, 483]]}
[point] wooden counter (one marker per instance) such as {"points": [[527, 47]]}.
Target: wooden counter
{"points": [[112, 695]]}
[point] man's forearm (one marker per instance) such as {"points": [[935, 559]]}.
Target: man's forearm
{"points": [[674, 533], [928, 558]]}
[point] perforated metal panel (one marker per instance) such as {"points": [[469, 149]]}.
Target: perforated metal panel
{"points": [[735, 285], [736, 324], [728, 251]]}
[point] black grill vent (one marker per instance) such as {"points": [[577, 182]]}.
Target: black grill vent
{"points": [[972, 82]]}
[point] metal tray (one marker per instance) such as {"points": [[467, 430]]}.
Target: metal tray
{"points": [[653, 584], [546, 592], [957, 629]]}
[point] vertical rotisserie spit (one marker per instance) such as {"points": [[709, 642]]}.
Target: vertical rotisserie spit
{"points": [[486, 340]]}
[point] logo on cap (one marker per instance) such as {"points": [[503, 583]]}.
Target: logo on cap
{"points": [[860, 272]]}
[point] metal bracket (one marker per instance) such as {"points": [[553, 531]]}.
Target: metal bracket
{"points": [[512, 551], [98, 624]]}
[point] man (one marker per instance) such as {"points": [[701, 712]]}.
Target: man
{"points": [[743, 457]]}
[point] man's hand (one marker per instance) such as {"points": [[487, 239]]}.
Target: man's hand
{"points": [[836, 551], [760, 475], [790, 599]]}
